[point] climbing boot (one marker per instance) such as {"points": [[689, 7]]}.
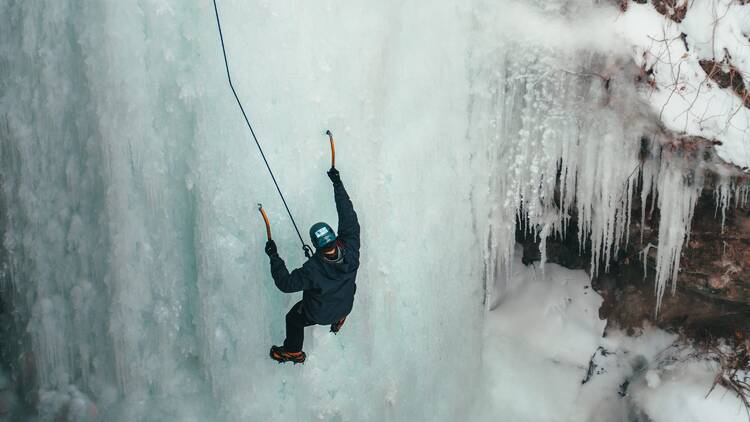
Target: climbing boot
{"points": [[336, 326], [280, 355]]}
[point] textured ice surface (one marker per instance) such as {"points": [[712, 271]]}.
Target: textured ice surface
{"points": [[137, 250], [134, 251]]}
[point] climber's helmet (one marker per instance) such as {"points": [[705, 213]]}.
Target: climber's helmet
{"points": [[322, 236]]}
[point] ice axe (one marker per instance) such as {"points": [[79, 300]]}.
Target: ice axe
{"points": [[333, 148], [306, 248], [265, 220]]}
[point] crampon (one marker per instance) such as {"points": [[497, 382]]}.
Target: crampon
{"points": [[280, 355], [336, 326]]}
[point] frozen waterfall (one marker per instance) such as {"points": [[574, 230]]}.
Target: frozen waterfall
{"points": [[133, 253]]}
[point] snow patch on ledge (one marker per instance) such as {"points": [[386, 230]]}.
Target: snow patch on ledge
{"points": [[686, 100]]}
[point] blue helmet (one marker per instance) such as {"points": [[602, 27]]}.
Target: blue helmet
{"points": [[322, 235]]}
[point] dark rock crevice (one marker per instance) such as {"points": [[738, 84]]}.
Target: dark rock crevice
{"points": [[727, 76], [672, 9], [712, 295]]}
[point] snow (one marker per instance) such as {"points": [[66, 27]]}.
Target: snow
{"points": [[547, 357], [134, 252], [679, 393], [538, 341], [687, 101]]}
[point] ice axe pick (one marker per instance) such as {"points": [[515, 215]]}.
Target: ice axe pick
{"points": [[333, 148]]}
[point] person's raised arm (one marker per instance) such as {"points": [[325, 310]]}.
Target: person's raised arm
{"points": [[286, 282], [348, 230]]}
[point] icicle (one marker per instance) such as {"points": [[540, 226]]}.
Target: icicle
{"points": [[678, 194], [644, 255], [723, 196], [741, 195]]}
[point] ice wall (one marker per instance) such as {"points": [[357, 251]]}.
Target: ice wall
{"points": [[135, 249]]}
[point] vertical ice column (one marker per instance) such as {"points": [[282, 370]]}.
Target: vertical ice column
{"points": [[96, 150], [56, 247], [678, 190]]}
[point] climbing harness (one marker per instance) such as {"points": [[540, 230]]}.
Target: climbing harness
{"points": [[305, 247]]}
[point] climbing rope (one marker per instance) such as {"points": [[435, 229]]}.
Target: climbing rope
{"points": [[305, 247]]}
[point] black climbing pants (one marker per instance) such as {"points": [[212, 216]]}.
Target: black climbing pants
{"points": [[296, 321]]}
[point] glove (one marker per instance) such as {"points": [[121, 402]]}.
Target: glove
{"points": [[271, 249], [333, 174]]}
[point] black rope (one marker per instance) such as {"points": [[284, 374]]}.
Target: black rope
{"points": [[306, 248]]}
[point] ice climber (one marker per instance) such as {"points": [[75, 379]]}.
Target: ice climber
{"points": [[327, 279]]}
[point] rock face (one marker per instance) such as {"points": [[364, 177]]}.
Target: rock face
{"points": [[717, 259], [712, 295]]}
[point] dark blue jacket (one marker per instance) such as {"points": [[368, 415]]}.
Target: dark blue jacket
{"points": [[328, 287]]}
